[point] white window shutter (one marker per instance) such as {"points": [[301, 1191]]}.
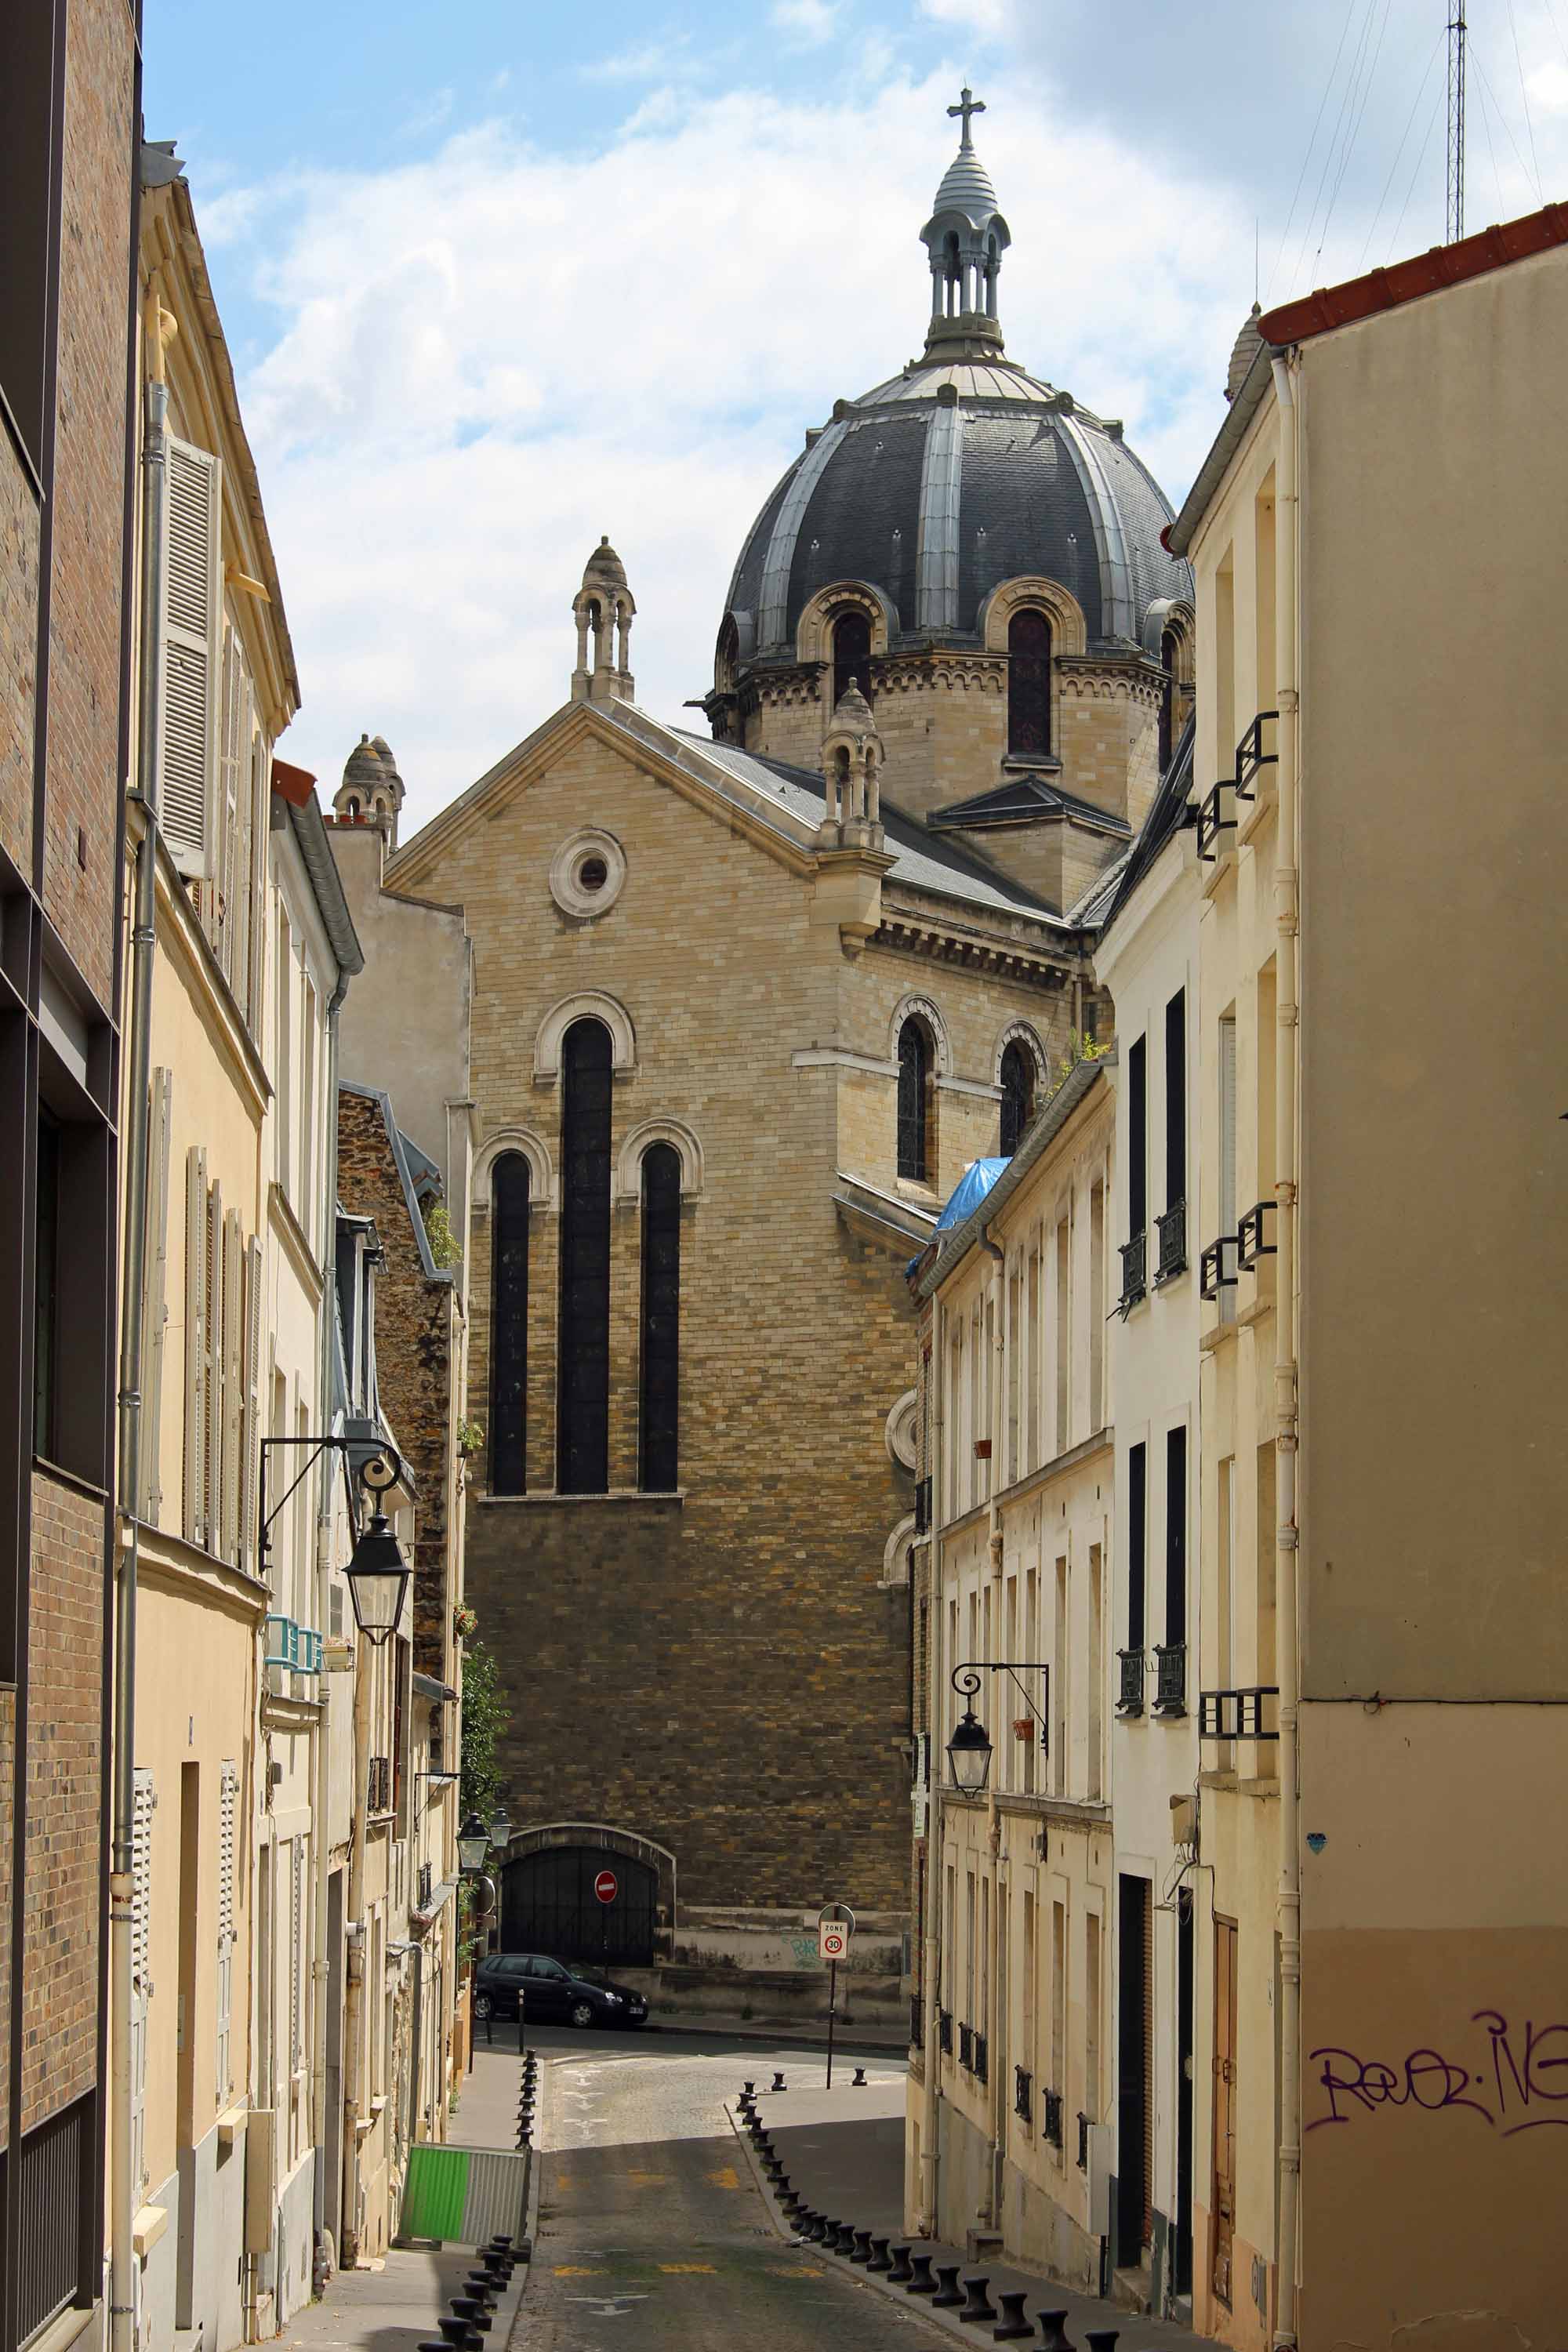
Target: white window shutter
{"points": [[212, 1466], [191, 612], [251, 1439], [297, 1960], [154, 1294], [227, 1862], [195, 1344], [141, 1968], [233, 1382], [260, 807]]}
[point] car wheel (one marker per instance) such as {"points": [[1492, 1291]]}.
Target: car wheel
{"points": [[484, 2005], [582, 2012]]}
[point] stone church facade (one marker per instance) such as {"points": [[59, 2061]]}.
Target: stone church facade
{"points": [[745, 1008]]}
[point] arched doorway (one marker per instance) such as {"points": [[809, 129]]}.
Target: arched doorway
{"points": [[548, 1904]]}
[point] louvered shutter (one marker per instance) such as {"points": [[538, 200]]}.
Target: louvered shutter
{"points": [[260, 787], [233, 1382], [155, 1294], [252, 1436], [229, 868], [140, 1969], [227, 1860], [297, 1958], [212, 1467], [195, 1344], [192, 512]]}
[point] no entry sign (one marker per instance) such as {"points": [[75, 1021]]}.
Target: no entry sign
{"points": [[606, 1886]]}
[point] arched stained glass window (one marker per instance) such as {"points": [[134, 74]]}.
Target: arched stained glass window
{"points": [[583, 1409], [1017, 1094], [915, 1059], [852, 655], [659, 1356], [1028, 685], [509, 1325]]}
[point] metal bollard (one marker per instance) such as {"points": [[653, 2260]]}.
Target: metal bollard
{"points": [[1012, 2323], [455, 2334], [949, 2294], [1101, 2339], [846, 2241], [778, 2083], [899, 2270], [980, 2305], [878, 2261], [471, 2309], [859, 2082], [748, 2090], [920, 2281], [1054, 2331], [862, 2253], [808, 2222]]}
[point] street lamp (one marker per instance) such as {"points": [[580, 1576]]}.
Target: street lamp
{"points": [[500, 1826], [378, 1577], [969, 1749], [473, 1844]]}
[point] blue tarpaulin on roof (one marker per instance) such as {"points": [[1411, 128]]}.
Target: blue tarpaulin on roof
{"points": [[969, 1192]]}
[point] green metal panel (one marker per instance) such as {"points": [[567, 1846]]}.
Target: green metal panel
{"points": [[435, 2192]]}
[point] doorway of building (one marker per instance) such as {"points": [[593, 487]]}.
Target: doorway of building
{"points": [[1182, 2219], [1134, 2137], [549, 1904], [1223, 2201]]}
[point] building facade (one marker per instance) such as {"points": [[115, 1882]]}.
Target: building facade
{"points": [[69, 95], [1380, 1944]]}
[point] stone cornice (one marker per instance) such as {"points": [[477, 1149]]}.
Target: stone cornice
{"points": [[908, 931]]}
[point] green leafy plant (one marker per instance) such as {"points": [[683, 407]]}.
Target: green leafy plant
{"points": [[1079, 1049], [465, 1622], [485, 1717], [438, 1233], [470, 1437]]}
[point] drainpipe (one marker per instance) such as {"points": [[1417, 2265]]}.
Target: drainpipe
{"points": [[994, 1960], [353, 2004], [159, 328], [937, 1668], [321, 1968], [1288, 1662]]}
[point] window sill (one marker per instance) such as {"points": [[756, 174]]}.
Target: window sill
{"points": [[618, 1494], [148, 2227], [71, 1478], [1261, 810]]}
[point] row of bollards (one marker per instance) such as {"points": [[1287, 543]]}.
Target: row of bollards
{"points": [[525, 2099], [900, 2265], [472, 2311]]}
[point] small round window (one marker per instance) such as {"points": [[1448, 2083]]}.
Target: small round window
{"points": [[586, 874]]}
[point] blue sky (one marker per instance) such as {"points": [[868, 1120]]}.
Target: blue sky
{"points": [[499, 278]]}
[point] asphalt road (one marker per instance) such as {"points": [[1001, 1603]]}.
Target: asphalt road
{"points": [[650, 2231]]}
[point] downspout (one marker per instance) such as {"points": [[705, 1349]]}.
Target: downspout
{"points": [[321, 1788], [1287, 1660], [159, 327], [353, 2000], [994, 1825], [936, 1683]]}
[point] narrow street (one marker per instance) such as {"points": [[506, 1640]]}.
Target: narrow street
{"points": [[649, 2213]]}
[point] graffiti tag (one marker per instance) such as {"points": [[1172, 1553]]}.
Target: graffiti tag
{"points": [[1511, 2076]]}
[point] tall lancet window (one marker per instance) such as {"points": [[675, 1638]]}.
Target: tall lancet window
{"points": [[851, 655], [509, 1325], [914, 1100], [659, 1356], [583, 1406], [1028, 685], [1017, 1095]]}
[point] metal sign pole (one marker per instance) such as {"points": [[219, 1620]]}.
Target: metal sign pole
{"points": [[832, 2004]]}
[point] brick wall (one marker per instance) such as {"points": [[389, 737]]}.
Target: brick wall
{"points": [[64, 1782], [83, 777], [413, 1357], [18, 654]]}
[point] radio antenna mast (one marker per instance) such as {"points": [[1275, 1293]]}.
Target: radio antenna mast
{"points": [[1456, 222]]}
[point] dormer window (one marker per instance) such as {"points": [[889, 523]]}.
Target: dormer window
{"points": [[851, 655], [1028, 685]]}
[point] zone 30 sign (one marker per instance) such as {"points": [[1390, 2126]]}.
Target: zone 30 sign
{"points": [[834, 1925]]}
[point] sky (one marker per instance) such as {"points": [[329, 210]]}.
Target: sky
{"points": [[499, 278]]}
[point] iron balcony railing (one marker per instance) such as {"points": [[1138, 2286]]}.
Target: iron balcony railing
{"points": [[1239, 1714], [981, 2059], [1053, 2105], [298, 1647], [1083, 2143], [1134, 1272], [1212, 821], [1250, 1245], [378, 1785], [966, 2048], [1024, 2094], [1251, 756], [922, 1506], [1213, 1277], [1129, 1700], [1171, 1259], [917, 2021], [945, 2032], [1170, 1678], [427, 1881]]}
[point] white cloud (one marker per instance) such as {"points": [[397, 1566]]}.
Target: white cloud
{"points": [[988, 20], [488, 356], [806, 23], [643, 62]]}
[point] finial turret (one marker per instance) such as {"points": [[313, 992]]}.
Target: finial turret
{"points": [[602, 605], [965, 238]]}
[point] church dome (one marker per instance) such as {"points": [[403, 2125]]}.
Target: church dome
{"points": [[960, 473]]}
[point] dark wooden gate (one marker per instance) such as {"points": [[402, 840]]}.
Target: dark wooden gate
{"points": [[548, 1904]]}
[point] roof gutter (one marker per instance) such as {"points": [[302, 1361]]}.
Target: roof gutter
{"points": [[1177, 537], [311, 834]]}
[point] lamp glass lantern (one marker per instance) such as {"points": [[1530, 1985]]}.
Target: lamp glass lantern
{"points": [[378, 1578], [969, 1754], [473, 1844]]}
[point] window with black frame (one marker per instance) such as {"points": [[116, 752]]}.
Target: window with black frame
{"points": [[851, 655], [1017, 1095], [509, 1324], [1029, 684], [583, 1417], [661, 1352], [915, 1062]]}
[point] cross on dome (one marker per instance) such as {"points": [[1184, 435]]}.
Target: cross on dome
{"points": [[968, 104]]}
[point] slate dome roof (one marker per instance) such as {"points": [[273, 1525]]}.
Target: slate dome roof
{"points": [[960, 473]]}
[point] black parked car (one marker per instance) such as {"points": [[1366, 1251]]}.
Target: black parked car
{"points": [[508, 1984]]}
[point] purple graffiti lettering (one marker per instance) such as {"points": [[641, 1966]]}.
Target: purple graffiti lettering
{"points": [[1526, 2080], [1424, 2079]]}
